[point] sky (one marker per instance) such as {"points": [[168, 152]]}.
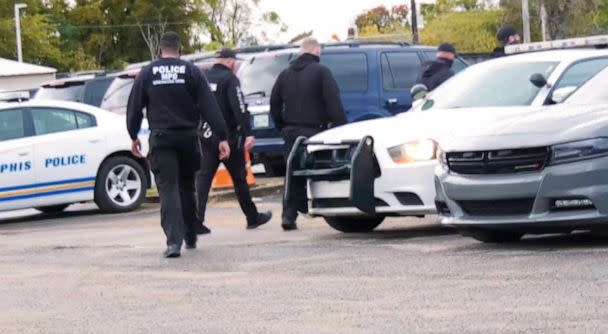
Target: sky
{"points": [[324, 17]]}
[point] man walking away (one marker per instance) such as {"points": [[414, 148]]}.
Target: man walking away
{"points": [[507, 35], [176, 95], [305, 100], [227, 89], [439, 70]]}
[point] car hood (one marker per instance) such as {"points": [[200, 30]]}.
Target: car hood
{"points": [[533, 127], [410, 126]]}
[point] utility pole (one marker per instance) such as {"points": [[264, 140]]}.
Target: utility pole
{"points": [[415, 37], [525, 15], [18, 6]]}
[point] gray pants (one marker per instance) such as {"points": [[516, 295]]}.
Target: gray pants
{"points": [[174, 159]]}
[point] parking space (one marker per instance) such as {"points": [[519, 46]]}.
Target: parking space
{"points": [[100, 273]]}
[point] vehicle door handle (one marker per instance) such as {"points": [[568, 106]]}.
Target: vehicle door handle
{"points": [[23, 154], [94, 140], [391, 101]]}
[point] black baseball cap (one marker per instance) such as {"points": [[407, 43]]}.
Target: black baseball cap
{"points": [[447, 47], [505, 32], [225, 53]]}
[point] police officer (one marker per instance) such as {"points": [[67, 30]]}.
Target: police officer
{"points": [[227, 89], [176, 95], [305, 100], [439, 70], [507, 35]]}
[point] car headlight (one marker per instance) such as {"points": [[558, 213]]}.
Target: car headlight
{"points": [[414, 151], [579, 150]]}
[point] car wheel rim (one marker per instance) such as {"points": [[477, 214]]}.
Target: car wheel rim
{"points": [[123, 185]]}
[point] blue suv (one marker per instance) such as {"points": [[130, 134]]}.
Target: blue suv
{"points": [[375, 79]]}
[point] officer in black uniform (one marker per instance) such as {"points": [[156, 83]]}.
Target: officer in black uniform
{"points": [[440, 69], [507, 35], [227, 89], [176, 96], [305, 100]]}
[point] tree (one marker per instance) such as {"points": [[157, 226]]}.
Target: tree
{"points": [[380, 20], [471, 31]]}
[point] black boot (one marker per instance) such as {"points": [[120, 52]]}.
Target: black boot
{"points": [[289, 225], [173, 251], [263, 218], [202, 229]]}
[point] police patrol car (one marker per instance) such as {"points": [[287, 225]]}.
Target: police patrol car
{"points": [[356, 175], [56, 153]]}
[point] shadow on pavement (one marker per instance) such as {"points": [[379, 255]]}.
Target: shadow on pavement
{"points": [[420, 231], [40, 217], [547, 243]]}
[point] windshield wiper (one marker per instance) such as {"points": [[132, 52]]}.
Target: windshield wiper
{"points": [[261, 93]]}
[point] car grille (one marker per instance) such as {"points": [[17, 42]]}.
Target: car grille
{"points": [[330, 203], [521, 206], [332, 158], [498, 162]]}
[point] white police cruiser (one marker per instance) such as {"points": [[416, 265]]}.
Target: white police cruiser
{"points": [[56, 153], [356, 175]]}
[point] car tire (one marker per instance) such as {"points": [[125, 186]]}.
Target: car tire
{"points": [[53, 208], [495, 237], [120, 185], [354, 224]]}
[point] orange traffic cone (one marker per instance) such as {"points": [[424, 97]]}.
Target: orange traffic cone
{"points": [[222, 179]]}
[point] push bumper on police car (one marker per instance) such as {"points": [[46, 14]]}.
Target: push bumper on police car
{"points": [[346, 178]]}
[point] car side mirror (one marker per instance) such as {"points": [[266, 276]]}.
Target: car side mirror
{"points": [[561, 94], [419, 92], [538, 80]]}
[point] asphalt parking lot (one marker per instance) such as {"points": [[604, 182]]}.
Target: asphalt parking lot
{"points": [[89, 273]]}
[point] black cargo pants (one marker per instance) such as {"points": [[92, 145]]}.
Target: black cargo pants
{"points": [[237, 168], [290, 134], [174, 159]]}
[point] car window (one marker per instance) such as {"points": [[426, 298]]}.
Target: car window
{"points": [[117, 95], [580, 72], [592, 92], [11, 124], [400, 70], [95, 90], [349, 70], [72, 92], [49, 120], [260, 73], [84, 121], [491, 84]]}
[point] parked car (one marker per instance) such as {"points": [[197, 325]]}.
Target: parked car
{"points": [[358, 174], [539, 171], [374, 78], [55, 153], [87, 88]]}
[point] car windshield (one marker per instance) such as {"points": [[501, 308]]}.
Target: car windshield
{"points": [[497, 84], [117, 95], [70, 92], [593, 92], [259, 75]]}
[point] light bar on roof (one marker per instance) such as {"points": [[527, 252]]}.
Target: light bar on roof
{"points": [[14, 96], [591, 41]]}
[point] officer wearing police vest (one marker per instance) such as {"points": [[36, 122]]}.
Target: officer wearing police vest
{"points": [[227, 90], [176, 96], [305, 100]]}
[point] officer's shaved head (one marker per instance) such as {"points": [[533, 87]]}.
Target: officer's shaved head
{"points": [[170, 43], [310, 45]]}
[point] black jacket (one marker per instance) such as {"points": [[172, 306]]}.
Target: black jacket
{"points": [[176, 95], [227, 89], [436, 73], [306, 94], [498, 52]]}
